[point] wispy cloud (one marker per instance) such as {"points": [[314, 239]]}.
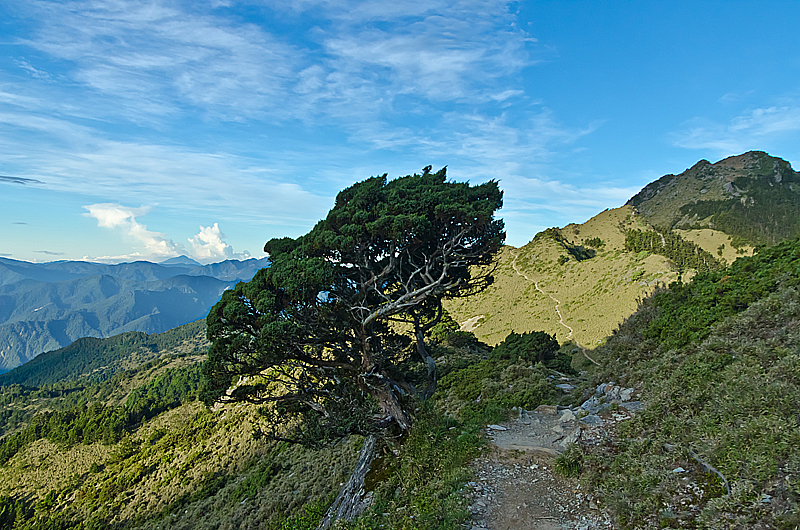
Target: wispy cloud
{"points": [[18, 180], [735, 97], [38, 74], [151, 55], [152, 59], [50, 252], [78, 160], [744, 132], [432, 81]]}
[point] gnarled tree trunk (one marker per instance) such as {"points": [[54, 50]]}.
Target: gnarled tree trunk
{"points": [[352, 500]]}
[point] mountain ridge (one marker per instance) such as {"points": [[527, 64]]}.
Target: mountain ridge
{"points": [[47, 306], [753, 197], [713, 356]]}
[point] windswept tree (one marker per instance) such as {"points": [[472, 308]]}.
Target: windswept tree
{"points": [[312, 334]]}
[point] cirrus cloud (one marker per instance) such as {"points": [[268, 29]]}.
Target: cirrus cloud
{"points": [[742, 132]]}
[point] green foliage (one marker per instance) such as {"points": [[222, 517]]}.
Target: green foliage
{"points": [[421, 488], [461, 339], [13, 510], [721, 374], [443, 329], [685, 254], [532, 347], [485, 391], [687, 311], [167, 391], [579, 252], [92, 422], [309, 518], [595, 242], [766, 214], [570, 462], [257, 479], [310, 335]]}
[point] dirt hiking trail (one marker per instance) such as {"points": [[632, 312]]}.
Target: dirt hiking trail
{"points": [[516, 487]]}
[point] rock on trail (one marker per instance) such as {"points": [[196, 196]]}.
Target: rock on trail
{"points": [[516, 487]]}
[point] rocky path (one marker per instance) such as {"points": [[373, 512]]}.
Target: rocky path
{"points": [[516, 485]]}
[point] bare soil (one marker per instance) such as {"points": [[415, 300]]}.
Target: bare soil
{"points": [[516, 486]]}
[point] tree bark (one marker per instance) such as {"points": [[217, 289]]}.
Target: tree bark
{"points": [[391, 406], [352, 501], [430, 365]]}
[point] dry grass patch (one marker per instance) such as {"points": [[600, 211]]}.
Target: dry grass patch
{"points": [[592, 295]]}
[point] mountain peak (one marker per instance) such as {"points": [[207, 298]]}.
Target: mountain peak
{"points": [[181, 260], [753, 195]]}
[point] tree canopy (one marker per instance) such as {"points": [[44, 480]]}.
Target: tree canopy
{"points": [[312, 334]]}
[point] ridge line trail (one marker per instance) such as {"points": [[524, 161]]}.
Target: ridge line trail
{"points": [[554, 299]]}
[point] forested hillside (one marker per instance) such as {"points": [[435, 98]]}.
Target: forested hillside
{"points": [[95, 360]]}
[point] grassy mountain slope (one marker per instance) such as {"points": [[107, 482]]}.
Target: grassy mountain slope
{"points": [[718, 361], [593, 294], [187, 468], [138, 451], [714, 241]]}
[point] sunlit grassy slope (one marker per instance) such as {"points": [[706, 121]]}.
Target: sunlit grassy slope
{"points": [[711, 241], [592, 295], [187, 468]]}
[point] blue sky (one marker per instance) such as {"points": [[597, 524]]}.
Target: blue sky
{"points": [[141, 130]]}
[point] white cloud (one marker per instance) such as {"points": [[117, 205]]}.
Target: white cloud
{"points": [[129, 172], [412, 82], [209, 245], [115, 216], [38, 74], [742, 133], [147, 61], [151, 58]]}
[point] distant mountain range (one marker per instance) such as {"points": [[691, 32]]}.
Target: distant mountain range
{"points": [[46, 306]]}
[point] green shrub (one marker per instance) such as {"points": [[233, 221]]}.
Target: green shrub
{"points": [[532, 347]]}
